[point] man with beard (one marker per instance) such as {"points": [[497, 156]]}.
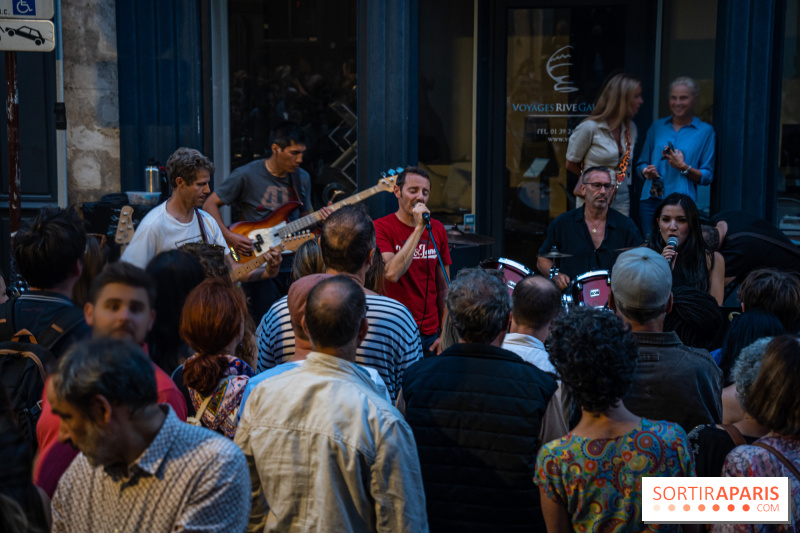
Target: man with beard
{"points": [[592, 234], [179, 220], [120, 307], [412, 271], [140, 467]]}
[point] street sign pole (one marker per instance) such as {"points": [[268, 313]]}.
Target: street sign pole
{"points": [[12, 112]]}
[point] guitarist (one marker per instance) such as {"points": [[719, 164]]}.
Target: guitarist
{"points": [[179, 221], [259, 188]]}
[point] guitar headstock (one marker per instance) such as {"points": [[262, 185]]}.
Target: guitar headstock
{"points": [[292, 242], [125, 228], [389, 179]]}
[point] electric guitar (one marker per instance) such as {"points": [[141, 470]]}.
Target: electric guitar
{"points": [[270, 231], [290, 243]]}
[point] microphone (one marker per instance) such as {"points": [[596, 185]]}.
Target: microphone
{"points": [[672, 241], [427, 218]]}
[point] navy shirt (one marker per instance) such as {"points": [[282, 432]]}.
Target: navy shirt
{"points": [[570, 235]]}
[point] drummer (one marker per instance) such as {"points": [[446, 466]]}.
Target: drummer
{"points": [[592, 234]]}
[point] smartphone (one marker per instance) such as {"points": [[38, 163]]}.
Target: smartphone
{"points": [[670, 147]]}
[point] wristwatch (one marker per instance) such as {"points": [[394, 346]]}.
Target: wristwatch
{"points": [[686, 172]]}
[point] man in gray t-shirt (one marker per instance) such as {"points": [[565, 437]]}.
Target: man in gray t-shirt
{"points": [[258, 189]]}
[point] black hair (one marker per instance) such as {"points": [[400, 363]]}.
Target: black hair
{"points": [[125, 274], [536, 301], [693, 253], [695, 317], [745, 329], [115, 369], [175, 274], [401, 178], [287, 133], [333, 322], [595, 356], [47, 249], [348, 237]]}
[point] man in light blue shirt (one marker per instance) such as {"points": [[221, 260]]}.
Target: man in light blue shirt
{"points": [[327, 452], [678, 150]]}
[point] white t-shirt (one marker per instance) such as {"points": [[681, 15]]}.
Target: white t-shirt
{"points": [[159, 232]]}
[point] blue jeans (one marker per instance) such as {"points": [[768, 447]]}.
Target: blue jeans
{"points": [[647, 210]]}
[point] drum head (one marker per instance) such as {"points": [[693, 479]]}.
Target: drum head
{"points": [[512, 271]]}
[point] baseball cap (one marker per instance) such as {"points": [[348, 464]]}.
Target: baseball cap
{"points": [[641, 279]]}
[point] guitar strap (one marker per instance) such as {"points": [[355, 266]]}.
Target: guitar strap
{"points": [[200, 223], [295, 190]]}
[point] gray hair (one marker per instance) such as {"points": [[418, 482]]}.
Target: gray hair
{"points": [[479, 305], [117, 370], [747, 365], [689, 82]]}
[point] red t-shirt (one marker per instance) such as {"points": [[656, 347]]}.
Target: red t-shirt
{"points": [[55, 457], [420, 278]]}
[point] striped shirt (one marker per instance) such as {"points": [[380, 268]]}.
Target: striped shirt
{"points": [[392, 343]]}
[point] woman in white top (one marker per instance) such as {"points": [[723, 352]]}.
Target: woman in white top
{"points": [[607, 136]]}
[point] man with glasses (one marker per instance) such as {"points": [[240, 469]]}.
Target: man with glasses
{"points": [[592, 234]]}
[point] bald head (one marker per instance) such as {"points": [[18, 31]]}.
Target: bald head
{"points": [[334, 312], [536, 302]]}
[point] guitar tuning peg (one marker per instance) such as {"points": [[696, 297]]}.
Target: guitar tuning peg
{"points": [[400, 169], [383, 174], [392, 172]]}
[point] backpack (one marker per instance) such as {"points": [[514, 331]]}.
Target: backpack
{"points": [[24, 361]]}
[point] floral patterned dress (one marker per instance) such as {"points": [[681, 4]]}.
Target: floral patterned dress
{"points": [[599, 481], [753, 461], [222, 412]]}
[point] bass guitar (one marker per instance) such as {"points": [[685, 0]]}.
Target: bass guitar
{"points": [[290, 243], [270, 231]]}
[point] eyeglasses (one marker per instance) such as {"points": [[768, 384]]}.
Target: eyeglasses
{"points": [[595, 186]]}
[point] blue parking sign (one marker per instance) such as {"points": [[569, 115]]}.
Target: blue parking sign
{"points": [[24, 7]]}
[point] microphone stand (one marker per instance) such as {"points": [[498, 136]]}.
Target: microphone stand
{"points": [[435, 247]]}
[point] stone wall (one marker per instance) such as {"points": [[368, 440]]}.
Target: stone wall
{"points": [[91, 96]]}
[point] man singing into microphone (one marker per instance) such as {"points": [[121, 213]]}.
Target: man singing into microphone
{"points": [[412, 272]]}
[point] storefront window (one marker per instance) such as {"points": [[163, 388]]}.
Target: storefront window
{"points": [[557, 62], [789, 159], [446, 54], [295, 60]]}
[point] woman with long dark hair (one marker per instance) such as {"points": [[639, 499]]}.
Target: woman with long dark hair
{"points": [[213, 322], [693, 264]]}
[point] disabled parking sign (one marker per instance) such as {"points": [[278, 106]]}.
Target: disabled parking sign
{"points": [[28, 9]]}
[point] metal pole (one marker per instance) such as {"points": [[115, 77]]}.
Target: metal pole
{"points": [[12, 112]]}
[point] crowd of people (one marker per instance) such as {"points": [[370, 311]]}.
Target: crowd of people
{"points": [[378, 394]]}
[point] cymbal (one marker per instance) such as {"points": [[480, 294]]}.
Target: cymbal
{"points": [[456, 236], [554, 255]]}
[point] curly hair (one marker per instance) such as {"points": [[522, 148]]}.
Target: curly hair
{"points": [[47, 248], [184, 163], [747, 365], [479, 305], [595, 355]]}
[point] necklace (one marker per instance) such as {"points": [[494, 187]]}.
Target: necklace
{"points": [[594, 229]]}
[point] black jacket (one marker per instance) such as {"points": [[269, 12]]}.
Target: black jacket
{"points": [[476, 412]]}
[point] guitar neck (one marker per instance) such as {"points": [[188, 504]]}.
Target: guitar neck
{"points": [[315, 217], [241, 272]]}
